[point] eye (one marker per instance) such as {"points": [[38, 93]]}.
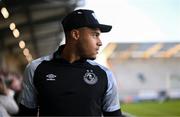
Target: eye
{"points": [[95, 34]]}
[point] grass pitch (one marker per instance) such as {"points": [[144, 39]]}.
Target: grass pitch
{"points": [[170, 108]]}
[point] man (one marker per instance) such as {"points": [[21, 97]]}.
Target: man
{"points": [[69, 82]]}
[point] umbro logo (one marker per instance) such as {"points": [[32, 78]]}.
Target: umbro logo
{"points": [[50, 77]]}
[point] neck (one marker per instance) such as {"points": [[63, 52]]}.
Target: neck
{"points": [[69, 53]]}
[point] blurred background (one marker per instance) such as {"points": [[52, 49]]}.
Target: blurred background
{"points": [[142, 50]]}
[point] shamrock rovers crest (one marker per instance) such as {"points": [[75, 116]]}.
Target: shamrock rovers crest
{"points": [[90, 77]]}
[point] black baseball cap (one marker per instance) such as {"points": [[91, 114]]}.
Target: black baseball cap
{"points": [[83, 18]]}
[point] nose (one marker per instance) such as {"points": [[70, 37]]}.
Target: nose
{"points": [[99, 43]]}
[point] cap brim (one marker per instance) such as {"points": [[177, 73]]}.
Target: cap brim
{"points": [[102, 27], [105, 28]]}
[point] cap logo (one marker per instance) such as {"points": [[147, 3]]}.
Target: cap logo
{"points": [[79, 12], [93, 14]]}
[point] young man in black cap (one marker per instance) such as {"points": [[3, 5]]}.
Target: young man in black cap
{"points": [[69, 82]]}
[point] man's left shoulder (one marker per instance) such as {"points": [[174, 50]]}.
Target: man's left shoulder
{"points": [[94, 63]]}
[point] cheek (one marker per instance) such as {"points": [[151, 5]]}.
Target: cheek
{"points": [[89, 46], [83, 49], [89, 43]]}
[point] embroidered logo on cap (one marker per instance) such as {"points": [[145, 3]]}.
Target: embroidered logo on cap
{"points": [[90, 77], [93, 14], [79, 12]]}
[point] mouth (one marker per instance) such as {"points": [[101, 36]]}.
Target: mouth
{"points": [[97, 51]]}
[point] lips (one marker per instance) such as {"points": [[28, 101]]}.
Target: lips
{"points": [[97, 51]]}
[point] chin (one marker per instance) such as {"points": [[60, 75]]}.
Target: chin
{"points": [[92, 57]]}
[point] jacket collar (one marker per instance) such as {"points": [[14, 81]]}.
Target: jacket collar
{"points": [[57, 55]]}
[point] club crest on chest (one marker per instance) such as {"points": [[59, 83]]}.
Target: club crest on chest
{"points": [[90, 77]]}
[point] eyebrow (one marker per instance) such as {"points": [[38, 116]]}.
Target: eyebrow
{"points": [[97, 32]]}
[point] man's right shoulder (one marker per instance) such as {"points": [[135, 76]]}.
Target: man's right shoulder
{"points": [[35, 63]]}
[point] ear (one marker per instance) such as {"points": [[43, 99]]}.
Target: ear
{"points": [[75, 34]]}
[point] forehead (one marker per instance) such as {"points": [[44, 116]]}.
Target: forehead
{"points": [[88, 29]]}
